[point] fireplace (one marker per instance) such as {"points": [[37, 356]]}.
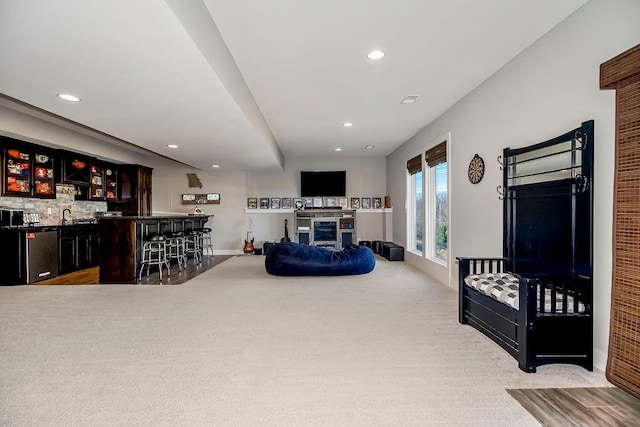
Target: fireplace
{"points": [[325, 232]]}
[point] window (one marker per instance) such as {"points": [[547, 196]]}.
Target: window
{"points": [[415, 206], [437, 202], [441, 211], [428, 204]]}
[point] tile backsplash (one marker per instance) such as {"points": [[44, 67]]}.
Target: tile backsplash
{"points": [[50, 210]]}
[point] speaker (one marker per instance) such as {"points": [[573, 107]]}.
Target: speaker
{"points": [[303, 238]]}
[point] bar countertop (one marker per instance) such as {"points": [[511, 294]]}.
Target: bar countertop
{"points": [[122, 238], [153, 217]]}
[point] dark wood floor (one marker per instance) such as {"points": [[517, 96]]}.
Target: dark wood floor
{"points": [[178, 277], [602, 406], [90, 276]]}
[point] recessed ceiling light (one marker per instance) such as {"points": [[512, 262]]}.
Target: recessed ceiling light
{"points": [[338, 149], [69, 97], [347, 124], [172, 146], [215, 166], [375, 54], [410, 99], [369, 147]]}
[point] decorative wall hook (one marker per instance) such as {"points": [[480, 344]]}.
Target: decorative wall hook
{"points": [[581, 137], [500, 191], [500, 162], [582, 183]]}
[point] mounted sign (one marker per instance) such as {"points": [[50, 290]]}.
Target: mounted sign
{"points": [[201, 199]]}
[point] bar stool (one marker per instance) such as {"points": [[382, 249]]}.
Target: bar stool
{"points": [[205, 241], [154, 252], [192, 245], [176, 249]]}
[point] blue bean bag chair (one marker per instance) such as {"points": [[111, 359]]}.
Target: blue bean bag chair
{"points": [[292, 259]]}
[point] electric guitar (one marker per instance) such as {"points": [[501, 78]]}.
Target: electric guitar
{"points": [[286, 233], [248, 243]]}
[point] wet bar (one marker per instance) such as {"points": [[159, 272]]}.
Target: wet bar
{"points": [[121, 240]]}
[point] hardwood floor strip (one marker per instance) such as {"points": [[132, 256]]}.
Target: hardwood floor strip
{"points": [[90, 276], [178, 277], [605, 406]]}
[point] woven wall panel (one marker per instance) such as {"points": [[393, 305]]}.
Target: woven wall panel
{"points": [[625, 65], [623, 364]]}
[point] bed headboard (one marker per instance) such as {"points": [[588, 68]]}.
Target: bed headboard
{"points": [[548, 206]]}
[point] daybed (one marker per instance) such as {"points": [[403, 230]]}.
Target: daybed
{"points": [[293, 259], [541, 312]]}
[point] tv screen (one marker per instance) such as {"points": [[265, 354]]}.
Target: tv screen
{"points": [[323, 183]]}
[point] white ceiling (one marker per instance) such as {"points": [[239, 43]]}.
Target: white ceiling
{"points": [[242, 83]]}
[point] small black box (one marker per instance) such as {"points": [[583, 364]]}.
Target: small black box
{"points": [[266, 247], [392, 252]]}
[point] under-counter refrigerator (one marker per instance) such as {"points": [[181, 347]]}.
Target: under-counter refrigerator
{"points": [[41, 254], [28, 255]]}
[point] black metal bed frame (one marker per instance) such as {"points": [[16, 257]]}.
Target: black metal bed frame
{"points": [[548, 245]]}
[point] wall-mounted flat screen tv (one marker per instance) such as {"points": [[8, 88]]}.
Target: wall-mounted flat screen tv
{"points": [[323, 183]]}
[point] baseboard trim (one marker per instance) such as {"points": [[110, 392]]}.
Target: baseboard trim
{"points": [[227, 252]]}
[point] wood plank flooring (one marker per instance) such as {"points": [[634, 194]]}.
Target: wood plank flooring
{"points": [[90, 276], [603, 406], [178, 277]]}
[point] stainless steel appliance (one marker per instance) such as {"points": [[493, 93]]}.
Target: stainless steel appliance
{"points": [[28, 255], [11, 217], [41, 254]]}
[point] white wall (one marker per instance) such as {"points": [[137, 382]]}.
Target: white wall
{"points": [[366, 176], [548, 89]]}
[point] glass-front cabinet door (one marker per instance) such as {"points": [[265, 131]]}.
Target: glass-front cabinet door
{"points": [[43, 181], [17, 171], [27, 170], [97, 183], [75, 169], [111, 182]]}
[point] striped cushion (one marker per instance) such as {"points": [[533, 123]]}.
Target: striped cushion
{"points": [[504, 287]]}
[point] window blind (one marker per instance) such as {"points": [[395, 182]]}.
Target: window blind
{"points": [[436, 155], [414, 165]]}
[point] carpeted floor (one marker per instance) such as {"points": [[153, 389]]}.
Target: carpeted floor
{"points": [[235, 346]]}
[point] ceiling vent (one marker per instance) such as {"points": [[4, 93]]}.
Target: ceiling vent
{"points": [[410, 99]]}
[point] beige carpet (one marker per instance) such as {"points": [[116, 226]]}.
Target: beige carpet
{"points": [[236, 346]]}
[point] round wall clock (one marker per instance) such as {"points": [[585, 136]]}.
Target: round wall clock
{"points": [[476, 169]]}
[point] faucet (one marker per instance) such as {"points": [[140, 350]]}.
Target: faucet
{"points": [[64, 219]]}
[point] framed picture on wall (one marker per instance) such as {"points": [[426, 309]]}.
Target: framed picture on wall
{"points": [[297, 203], [286, 203], [252, 203], [264, 203], [330, 202], [376, 203], [275, 203], [308, 202], [343, 202], [355, 203], [366, 203], [317, 202]]}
